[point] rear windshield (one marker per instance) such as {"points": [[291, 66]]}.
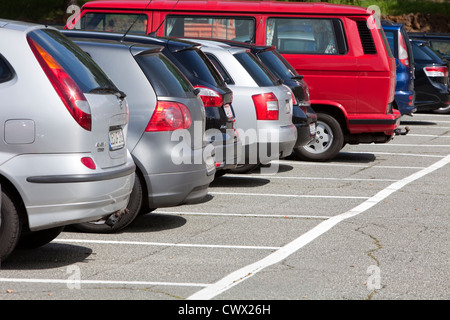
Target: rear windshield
{"points": [[83, 70], [423, 53], [260, 74], [173, 83], [199, 66], [275, 64]]}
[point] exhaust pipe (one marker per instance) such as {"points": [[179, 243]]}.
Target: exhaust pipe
{"points": [[399, 132]]}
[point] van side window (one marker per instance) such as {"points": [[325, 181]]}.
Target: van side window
{"points": [[239, 29], [308, 36], [5, 72], [113, 22]]}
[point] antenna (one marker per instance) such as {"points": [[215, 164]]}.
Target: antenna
{"points": [[153, 33], [143, 10]]}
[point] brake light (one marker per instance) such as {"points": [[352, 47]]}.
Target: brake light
{"points": [[69, 92], [436, 71], [403, 51], [266, 105], [210, 97], [169, 116], [294, 101]]}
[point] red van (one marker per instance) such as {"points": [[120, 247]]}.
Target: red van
{"points": [[339, 49]]}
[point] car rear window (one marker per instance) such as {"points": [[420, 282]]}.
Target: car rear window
{"points": [[83, 70], [199, 66], [260, 74], [275, 64], [6, 73], [173, 83], [423, 53]]}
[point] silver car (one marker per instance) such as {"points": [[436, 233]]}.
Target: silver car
{"points": [[166, 135], [262, 105], [63, 154]]}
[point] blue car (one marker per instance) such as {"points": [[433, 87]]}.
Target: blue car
{"points": [[401, 49]]}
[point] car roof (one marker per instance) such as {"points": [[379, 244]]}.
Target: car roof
{"points": [[21, 25], [233, 6]]}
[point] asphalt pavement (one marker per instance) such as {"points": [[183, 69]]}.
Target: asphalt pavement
{"points": [[373, 224]]}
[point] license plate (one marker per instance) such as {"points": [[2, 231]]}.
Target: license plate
{"points": [[228, 111], [116, 140], [312, 128], [210, 165]]}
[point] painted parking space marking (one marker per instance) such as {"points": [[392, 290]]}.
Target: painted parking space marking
{"points": [[283, 195], [248, 271], [141, 243], [244, 215]]}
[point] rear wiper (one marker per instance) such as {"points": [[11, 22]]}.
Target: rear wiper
{"points": [[109, 90], [298, 77]]}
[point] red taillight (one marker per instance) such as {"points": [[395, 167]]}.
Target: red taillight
{"points": [[69, 92], [169, 116], [266, 106], [88, 162], [403, 51], [210, 97], [436, 71]]}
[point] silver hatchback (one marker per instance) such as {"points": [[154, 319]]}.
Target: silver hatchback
{"points": [[63, 154], [262, 105], [174, 162]]}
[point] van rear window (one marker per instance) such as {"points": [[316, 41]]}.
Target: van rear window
{"points": [[307, 36], [229, 28], [115, 22]]}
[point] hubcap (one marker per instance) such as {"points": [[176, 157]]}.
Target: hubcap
{"points": [[322, 140]]}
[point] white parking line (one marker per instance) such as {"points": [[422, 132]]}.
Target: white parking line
{"points": [[283, 195], [245, 215], [303, 178], [248, 271], [71, 282], [163, 244]]}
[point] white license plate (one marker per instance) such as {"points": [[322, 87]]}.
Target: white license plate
{"points": [[312, 128], [228, 111], [210, 165], [116, 140]]}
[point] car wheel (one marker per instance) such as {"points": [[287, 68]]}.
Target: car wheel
{"points": [[31, 240], [10, 227], [327, 143], [245, 168], [443, 110], [133, 208]]}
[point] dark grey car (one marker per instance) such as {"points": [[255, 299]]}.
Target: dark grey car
{"points": [[166, 134]]}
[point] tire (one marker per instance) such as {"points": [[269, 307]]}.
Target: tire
{"points": [[327, 143], [10, 227], [133, 208], [245, 168], [443, 110], [35, 239]]}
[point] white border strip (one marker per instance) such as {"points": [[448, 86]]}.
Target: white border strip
{"points": [[246, 272], [244, 215], [282, 195]]}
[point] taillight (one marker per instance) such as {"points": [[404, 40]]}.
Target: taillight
{"points": [[169, 116], [266, 105], [436, 71], [210, 97], [403, 51], [69, 92], [294, 101]]}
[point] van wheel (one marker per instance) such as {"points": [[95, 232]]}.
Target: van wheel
{"points": [[133, 207], [35, 239], [327, 143], [10, 227]]}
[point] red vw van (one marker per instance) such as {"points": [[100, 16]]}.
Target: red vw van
{"points": [[339, 49]]}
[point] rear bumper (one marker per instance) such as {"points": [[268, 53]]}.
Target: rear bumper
{"points": [[374, 123], [405, 102], [64, 191]]}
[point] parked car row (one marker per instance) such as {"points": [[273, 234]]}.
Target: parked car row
{"points": [[155, 122]]}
